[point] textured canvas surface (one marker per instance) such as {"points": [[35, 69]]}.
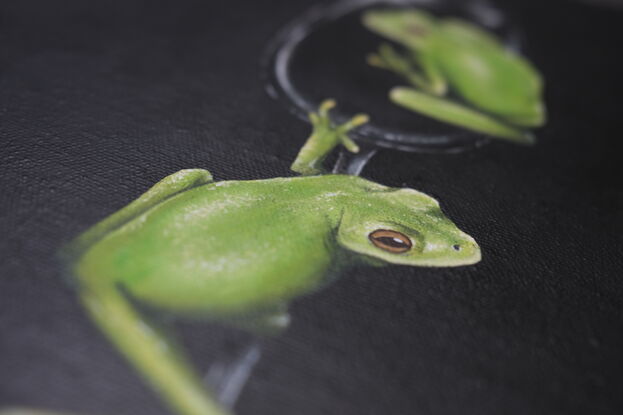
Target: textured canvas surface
{"points": [[99, 101]]}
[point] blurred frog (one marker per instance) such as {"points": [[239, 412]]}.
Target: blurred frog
{"points": [[493, 90]]}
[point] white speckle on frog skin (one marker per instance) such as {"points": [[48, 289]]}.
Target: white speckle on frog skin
{"points": [[432, 247]]}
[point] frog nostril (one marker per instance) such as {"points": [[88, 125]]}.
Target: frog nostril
{"points": [[456, 247]]}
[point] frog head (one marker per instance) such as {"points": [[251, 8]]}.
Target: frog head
{"points": [[409, 27], [404, 226]]}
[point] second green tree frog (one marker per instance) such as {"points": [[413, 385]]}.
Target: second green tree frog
{"points": [[241, 251], [499, 91]]}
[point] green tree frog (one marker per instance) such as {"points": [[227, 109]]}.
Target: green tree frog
{"points": [[497, 91], [241, 251]]}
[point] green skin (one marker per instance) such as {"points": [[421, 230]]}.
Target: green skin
{"points": [[499, 91], [240, 251]]}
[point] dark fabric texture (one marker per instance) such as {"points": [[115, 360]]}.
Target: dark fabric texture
{"points": [[100, 100]]}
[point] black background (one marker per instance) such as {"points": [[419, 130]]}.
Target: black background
{"points": [[99, 101]]}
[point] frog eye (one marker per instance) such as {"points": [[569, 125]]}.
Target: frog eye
{"points": [[390, 241]]}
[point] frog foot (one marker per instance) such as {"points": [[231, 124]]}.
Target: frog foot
{"points": [[324, 138], [388, 58]]}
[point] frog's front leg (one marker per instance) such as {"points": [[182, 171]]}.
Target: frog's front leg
{"points": [[149, 349], [428, 78], [164, 189], [324, 138], [452, 112]]}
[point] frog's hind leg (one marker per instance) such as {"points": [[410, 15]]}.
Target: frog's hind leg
{"points": [[149, 349], [164, 189], [454, 113], [324, 138]]}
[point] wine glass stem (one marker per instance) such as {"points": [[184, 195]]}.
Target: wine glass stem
{"points": [[353, 163]]}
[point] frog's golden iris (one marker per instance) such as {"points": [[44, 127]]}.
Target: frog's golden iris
{"points": [[390, 241]]}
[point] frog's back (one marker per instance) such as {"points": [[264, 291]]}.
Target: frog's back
{"points": [[484, 73], [225, 245]]}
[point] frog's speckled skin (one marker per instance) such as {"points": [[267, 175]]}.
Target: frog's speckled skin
{"points": [[500, 90], [226, 250]]}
